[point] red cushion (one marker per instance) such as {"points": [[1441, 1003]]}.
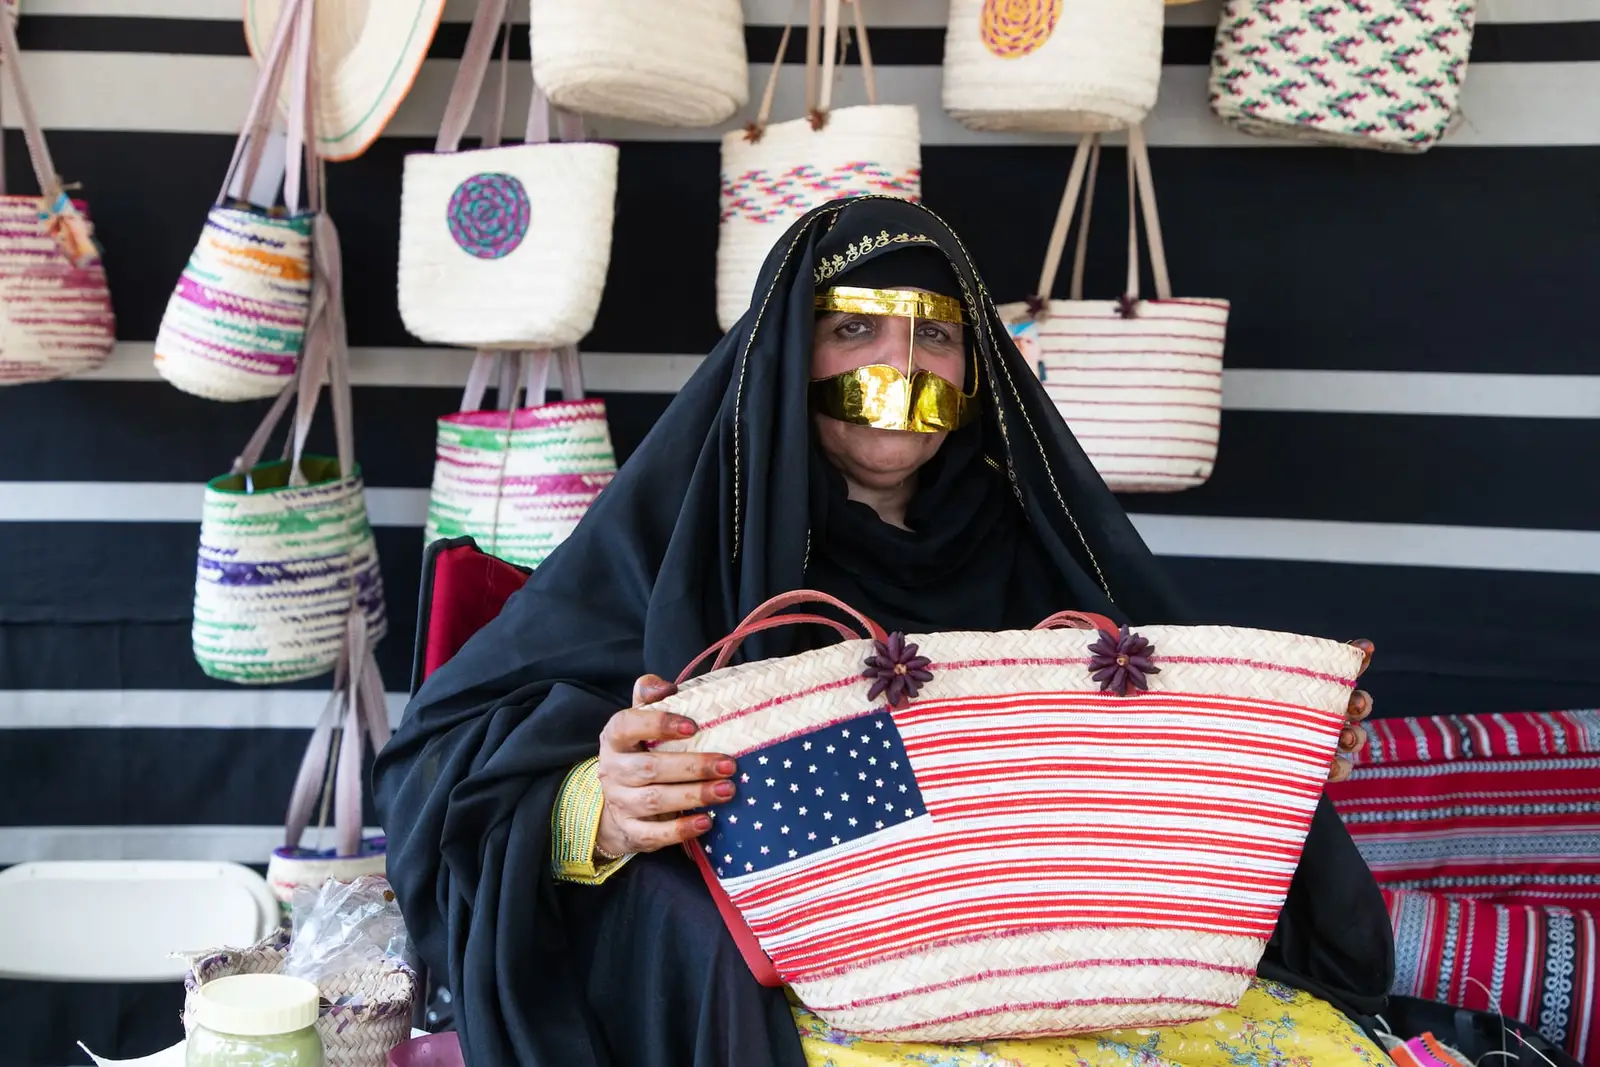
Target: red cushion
{"points": [[463, 589]]}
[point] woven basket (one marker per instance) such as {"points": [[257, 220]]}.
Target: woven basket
{"points": [[1013, 851], [55, 309], [1073, 66], [236, 321], [277, 567], [773, 174], [1138, 381], [677, 64], [518, 480], [1386, 75], [503, 247], [365, 1011]]}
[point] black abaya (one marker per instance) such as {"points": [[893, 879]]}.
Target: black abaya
{"points": [[724, 505]]}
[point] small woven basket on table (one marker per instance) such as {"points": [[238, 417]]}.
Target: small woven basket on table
{"points": [[366, 1011]]}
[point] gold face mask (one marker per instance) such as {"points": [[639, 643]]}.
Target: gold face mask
{"points": [[885, 397]]}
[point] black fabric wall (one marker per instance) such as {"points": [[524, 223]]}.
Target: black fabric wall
{"points": [[1409, 446]]}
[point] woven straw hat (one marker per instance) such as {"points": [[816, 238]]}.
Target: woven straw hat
{"points": [[368, 54]]}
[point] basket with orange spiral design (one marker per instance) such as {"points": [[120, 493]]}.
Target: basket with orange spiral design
{"points": [[1048, 65]]}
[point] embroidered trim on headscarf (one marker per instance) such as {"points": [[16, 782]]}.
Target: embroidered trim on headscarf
{"points": [[833, 265]]}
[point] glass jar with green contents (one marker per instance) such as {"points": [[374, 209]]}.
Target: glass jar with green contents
{"points": [[255, 1020]]}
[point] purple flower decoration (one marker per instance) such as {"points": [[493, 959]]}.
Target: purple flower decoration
{"points": [[896, 670], [1127, 306], [1121, 660], [1037, 305]]}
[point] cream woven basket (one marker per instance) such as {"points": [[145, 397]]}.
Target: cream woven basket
{"points": [[503, 247], [1386, 75], [774, 174], [669, 64], [1072, 66], [1138, 380], [1013, 848]]}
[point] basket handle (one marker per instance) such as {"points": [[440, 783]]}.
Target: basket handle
{"points": [[833, 41], [766, 617], [1141, 191], [521, 373], [287, 52], [1077, 620]]}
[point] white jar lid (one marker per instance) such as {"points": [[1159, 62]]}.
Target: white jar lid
{"points": [[257, 1005]]}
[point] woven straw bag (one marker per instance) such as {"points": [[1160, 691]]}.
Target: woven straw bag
{"points": [[55, 309], [503, 247], [773, 174], [286, 551], [1010, 849], [1384, 75], [366, 1011], [1075, 66], [1138, 381], [677, 64], [236, 321], [519, 479]]}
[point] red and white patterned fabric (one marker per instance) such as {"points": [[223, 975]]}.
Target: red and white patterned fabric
{"points": [[1485, 832], [1006, 853]]}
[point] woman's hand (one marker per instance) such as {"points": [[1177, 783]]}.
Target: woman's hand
{"points": [[647, 792], [1353, 736]]}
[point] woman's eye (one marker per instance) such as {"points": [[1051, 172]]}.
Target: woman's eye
{"points": [[852, 328], [935, 333]]}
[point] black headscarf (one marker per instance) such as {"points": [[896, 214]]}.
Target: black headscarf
{"points": [[725, 504]]}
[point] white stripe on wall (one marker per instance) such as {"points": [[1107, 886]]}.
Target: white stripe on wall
{"points": [[1397, 544], [1391, 544], [223, 709], [1502, 103], [238, 844], [1530, 396], [775, 12], [445, 368]]}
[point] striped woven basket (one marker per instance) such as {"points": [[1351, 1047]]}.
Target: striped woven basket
{"points": [[236, 321], [978, 836], [278, 566], [1138, 381], [55, 310], [677, 64], [1074, 66], [366, 1011], [773, 174], [518, 480]]}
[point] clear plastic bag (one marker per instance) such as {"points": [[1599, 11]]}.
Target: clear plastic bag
{"points": [[340, 926]]}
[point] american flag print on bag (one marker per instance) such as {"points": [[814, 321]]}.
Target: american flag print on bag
{"points": [[1001, 854]]}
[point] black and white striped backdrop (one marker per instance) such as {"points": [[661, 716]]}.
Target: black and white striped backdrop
{"points": [[1411, 435]]}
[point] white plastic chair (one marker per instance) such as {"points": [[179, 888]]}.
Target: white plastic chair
{"points": [[120, 921]]}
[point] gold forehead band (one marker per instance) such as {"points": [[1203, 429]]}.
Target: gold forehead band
{"points": [[901, 303]]}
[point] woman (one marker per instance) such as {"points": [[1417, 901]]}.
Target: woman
{"points": [[515, 778]]}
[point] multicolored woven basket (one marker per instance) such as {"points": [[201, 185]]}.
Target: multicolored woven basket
{"points": [[236, 321], [518, 481], [966, 836], [1386, 74], [278, 567], [772, 174], [55, 309]]}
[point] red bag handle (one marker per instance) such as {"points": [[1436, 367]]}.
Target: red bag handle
{"points": [[1078, 620], [765, 617]]}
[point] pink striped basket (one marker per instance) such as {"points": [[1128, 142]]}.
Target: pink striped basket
{"points": [[55, 308], [1139, 381], [518, 480], [971, 836]]}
